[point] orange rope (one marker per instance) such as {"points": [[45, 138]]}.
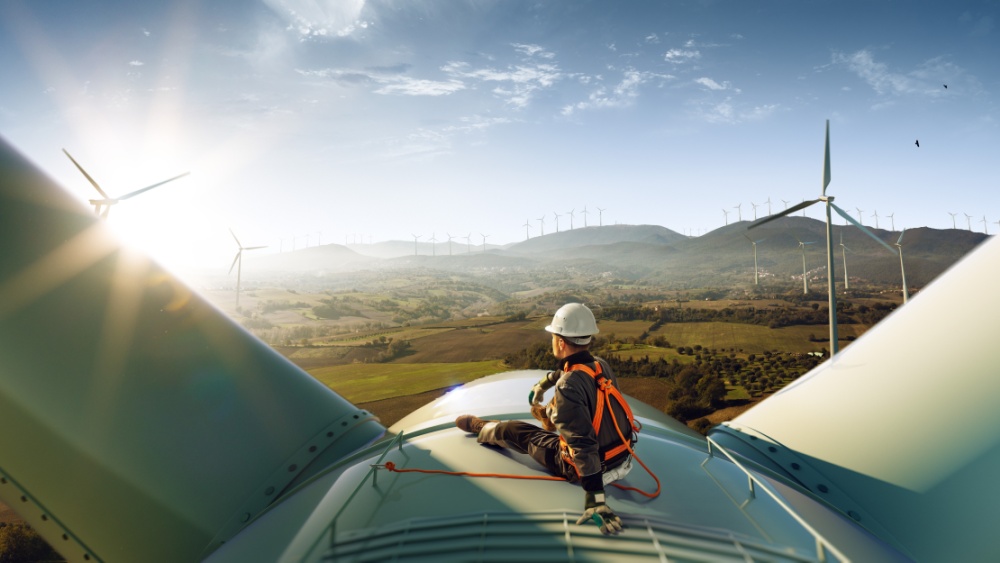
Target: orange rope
{"points": [[392, 467]]}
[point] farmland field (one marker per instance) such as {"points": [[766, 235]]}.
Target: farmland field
{"points": [[362, 383]]}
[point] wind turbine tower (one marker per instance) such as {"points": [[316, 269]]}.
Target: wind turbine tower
{"points": [[902, 269], [571, 212], [541, 222], [985, 228], [861, 216], [484, 241], [433, 241], [725, 212], [556, 215], [875, 215], [953, 225], [756, 277], [600, 217], [843, 253], [805, 278], [449, 242], [415, 237], [468, 243], [968, 218], [238, 260], [527, 226], [754, 210], [584, 216], [892, 222], [739, 212]]}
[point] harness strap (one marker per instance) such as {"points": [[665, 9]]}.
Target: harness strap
{"points": [[605, 390]]}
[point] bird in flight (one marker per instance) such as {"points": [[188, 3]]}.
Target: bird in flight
{"points": [[917, 143], [945, 86]]}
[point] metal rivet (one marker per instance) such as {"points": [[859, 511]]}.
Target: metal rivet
{"points": [[772, 449], [854, 515], [823, 489], [44, 518], [329, 434], [3, 480], [269, 491], [343, 423], [293, 467], [24, 498], [312, 449], [65, 537], [246, 516], [796, 466]]}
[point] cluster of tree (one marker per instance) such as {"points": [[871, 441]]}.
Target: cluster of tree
{"points": [[335, 308], [19, 543], [270, 306], [391, 349], [772, 317]]}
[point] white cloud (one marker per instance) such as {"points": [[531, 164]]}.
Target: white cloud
{"points": [[533, 51], [321, 18], [622, 94], [925, 80], [419, 87], [678, 56], [387, 81], [136, 63], [518, 83], [713, 85]]}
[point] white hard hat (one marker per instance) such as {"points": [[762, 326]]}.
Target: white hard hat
{"points": [[576, 321]]}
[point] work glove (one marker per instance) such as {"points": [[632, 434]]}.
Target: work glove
{"points": [[604, 517], [538, 390]]}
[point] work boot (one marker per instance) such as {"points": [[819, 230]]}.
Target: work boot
{"points": [[471, 423]]}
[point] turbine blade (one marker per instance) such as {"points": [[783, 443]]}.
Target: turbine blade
{"points": [[236, 239], [864, 229], [107, 209], [84, 172], [826, 159], [254, 247], [236, 259], [147, 188], [788, 211], [900, 236]]}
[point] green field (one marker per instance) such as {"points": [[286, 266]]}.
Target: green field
{"points": [[752, 338], [362, 383]]}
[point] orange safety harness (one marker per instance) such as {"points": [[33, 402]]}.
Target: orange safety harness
{"points": [[605, 391]]}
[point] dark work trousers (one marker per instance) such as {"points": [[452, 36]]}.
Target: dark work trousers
{"points": [[526, 438]]}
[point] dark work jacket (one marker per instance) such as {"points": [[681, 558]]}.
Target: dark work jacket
{"points": [[572, 412]]}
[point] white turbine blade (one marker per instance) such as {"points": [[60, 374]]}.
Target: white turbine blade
{"points": [[236, 239], [826, 159], [788, 211], [84, 172], [235, 260], [847, 216], [898, 242], [254, 247], [147, 188]]}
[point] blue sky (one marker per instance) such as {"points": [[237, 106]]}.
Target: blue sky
{"points": [[308, 121]]}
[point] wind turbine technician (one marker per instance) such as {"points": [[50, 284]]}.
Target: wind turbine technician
{"points": [[580, 442]]}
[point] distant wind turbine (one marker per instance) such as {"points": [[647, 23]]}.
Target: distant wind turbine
{"points": [[449, 243], [468, 243], [556, 215], [433, 240], [739, 212], [834, 346], [571, 212], [541, 223], [726, 213], [805, 278], [861, 216], [754, 210], [902, 269], [985, 229], [527, 226], [584, 216], [107, 200], [843, 252], [953, 225], [756, 277], [415, 237], [484, 241], [786, 202], [600, 217], [969, 219], [892, 222], [875, 215], [239, 260], [768, 202]]}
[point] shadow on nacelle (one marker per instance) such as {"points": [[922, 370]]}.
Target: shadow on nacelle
{"points": [[139, 423]]}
